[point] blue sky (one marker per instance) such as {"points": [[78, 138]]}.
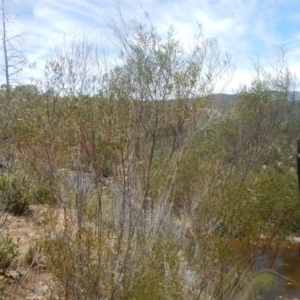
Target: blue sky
{"points": [[244, 28]]}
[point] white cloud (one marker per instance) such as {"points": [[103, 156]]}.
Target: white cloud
{"points": [[243, 27]]}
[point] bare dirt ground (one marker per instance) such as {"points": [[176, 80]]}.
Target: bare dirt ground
{"points": [[21, 280]]}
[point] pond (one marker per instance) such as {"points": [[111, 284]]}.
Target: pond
{"points": [[287, 266]]}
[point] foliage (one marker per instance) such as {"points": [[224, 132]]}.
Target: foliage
{"points": [[32, 254], [17, 192], [81, 271], [44, 194], [259, 284], [8, 251], [26, 90]]}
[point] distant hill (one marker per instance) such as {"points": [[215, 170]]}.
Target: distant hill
{"points": [[225, 101]]}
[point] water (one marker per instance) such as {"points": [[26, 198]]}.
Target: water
{"points": [[287, 265], [80, 181]]}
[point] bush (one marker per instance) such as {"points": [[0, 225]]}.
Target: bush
{"points": [[32, 254], [259, 284], [8, 251], [44, 195], [16, 192]]}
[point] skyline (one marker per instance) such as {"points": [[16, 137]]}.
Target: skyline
{"points": [[244, 29]]}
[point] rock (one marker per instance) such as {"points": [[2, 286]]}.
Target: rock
{"points": [[33, 297], [9, 281], [12, 274], [42, 288]]}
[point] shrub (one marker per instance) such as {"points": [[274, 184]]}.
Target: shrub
{"points": [[261, 283], [16, 191], [8, 251], [32, 254], [44, 195]]}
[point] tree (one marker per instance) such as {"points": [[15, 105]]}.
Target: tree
{"points": [[260, 114], [13, 58], [26, 90]]}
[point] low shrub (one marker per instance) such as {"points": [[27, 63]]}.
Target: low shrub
{"points": [[44, 195], [16, 192], [32, 254], [8, 251], [259, 284]]}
